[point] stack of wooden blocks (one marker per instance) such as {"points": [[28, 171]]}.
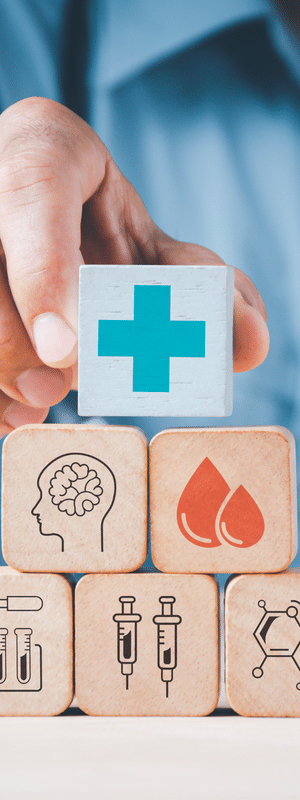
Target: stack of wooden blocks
{"points": [[222, 500]]}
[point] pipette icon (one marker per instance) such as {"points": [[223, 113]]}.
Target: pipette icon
{"points": [[127, 636], [20, 603], [167, 640]]}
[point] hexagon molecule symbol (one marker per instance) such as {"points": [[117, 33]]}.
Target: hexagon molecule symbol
{"points": [[278, 635]]}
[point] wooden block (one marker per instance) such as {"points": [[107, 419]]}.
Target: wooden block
{"points": [[155, 340], [262, 614], [223, 500], [36, 644], [75, 498], [146, 645]]}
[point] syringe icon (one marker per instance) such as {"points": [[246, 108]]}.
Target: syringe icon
{"points": [[167, 640], [127, 636]]}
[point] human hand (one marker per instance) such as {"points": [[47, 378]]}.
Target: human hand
{"points": [[63, 201]]}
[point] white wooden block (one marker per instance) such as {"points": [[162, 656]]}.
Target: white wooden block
{"points": [[155, 341]]}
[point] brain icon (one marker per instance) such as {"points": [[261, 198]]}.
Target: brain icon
{"points": [[75, 489]]}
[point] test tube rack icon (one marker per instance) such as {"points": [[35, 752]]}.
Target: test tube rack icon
{"points": [[127, 636], [167, 640]]}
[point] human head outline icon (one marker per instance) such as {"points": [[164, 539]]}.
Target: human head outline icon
{"points": [[77, 491]]}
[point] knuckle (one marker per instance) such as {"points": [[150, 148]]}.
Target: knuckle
{"points": [[6, 342], [38, 123], [30, 117], [13, 349]]}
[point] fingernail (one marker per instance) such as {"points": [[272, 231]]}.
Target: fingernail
{"points": [[41, 386], [16, 414], [53, 338]]}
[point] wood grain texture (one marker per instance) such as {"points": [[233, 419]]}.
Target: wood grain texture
{"points": [[223, 499], [75, 498], [103, 636], [198, 385], [262, 614], [36, 644]]}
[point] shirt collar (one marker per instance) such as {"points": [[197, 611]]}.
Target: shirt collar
{"points": [[286, 44], [136, 34]]}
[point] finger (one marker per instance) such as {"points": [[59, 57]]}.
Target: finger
{"points": [[250, 334], [116, 227], [250, 331], [14, 414], [22, 375], [249, 292], [50, 161]]}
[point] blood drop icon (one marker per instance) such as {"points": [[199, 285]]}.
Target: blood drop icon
{"points": [[241, 522], [199, 504]]}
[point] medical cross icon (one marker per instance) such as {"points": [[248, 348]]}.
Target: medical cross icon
{"points": [[151, 338]]}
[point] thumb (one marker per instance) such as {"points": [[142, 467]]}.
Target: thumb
{"points": [[50, 163]]}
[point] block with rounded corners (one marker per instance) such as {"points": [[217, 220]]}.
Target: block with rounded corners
{"points": [[146, 645], [223, 499], [74, 498], [262, 619], [36, 644], [155, 340]]}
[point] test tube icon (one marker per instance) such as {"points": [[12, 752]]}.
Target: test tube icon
{"points": [[3, 662], [167, 640], [127, 636], [23, 653]]}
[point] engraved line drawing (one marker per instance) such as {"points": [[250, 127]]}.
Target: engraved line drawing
{"points": [[167, 640], [282, 630], [23, 653], [77, 491], [127, 636], [26, 669], [3, 659], [21, 603]]}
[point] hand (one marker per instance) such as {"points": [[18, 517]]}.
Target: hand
{"points": [[63, 202]]}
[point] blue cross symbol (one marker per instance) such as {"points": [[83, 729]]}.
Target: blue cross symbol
{"points": [[151, 338]]}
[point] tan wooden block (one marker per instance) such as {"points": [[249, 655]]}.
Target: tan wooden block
{"points": [[74, 498], [262, 616], [223, 499], [36, 644], [146, 645]]}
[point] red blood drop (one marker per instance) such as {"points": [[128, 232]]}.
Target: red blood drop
{"points": [[241, 522], [199, 505]]}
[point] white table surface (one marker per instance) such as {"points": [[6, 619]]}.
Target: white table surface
{"points": [[92, 758]]}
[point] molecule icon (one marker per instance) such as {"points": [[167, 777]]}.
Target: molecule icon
{"points": [[278, 635]]}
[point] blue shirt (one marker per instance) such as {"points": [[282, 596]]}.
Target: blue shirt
{"points": [[199, 104]]}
